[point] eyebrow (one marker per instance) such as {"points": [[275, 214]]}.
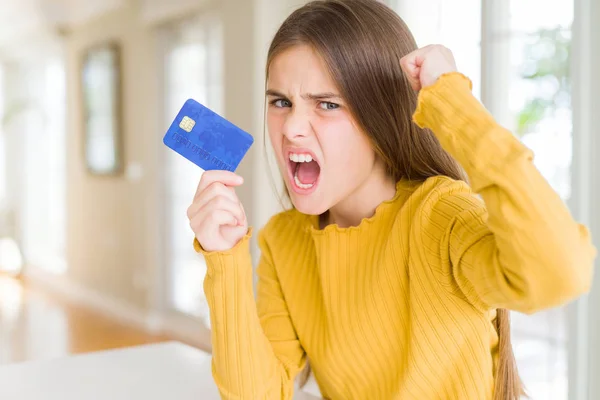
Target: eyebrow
{"points": [[307, 96]]}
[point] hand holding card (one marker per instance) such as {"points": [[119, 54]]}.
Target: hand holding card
{"points": [[216, 215], [217, 146]]}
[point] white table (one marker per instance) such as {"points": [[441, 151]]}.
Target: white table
{"points": [[162, 371]]}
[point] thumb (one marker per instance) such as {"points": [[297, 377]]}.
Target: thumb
{"points": [[411, 70]]}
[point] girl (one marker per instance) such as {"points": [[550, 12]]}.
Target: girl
{"points": [[388, 273]]}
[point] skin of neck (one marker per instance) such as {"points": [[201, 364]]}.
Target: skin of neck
{"points": [[361, 203]]}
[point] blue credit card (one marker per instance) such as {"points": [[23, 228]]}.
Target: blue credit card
{"points": [[207, 139]]}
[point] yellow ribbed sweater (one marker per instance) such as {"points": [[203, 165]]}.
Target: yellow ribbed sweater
{"points": [[401, 306]]}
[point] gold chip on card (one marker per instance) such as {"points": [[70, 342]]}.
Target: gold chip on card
{"points": [[187, 124]]}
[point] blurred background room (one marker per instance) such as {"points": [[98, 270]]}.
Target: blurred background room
{"points": [[95, 247]]}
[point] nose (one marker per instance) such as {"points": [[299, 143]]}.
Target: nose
{"points": [[297, 124]]}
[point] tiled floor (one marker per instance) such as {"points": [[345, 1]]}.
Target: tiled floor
{"points": [[35, 326]]}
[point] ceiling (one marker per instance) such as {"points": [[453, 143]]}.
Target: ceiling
{"points": [[30, 20]]}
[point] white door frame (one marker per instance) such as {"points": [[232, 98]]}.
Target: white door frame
{"points": [[584, 348]]}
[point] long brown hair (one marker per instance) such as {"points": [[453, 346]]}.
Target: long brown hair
{"points": [[362, 42]]}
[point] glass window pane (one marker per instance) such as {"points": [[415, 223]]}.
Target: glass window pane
{"points": [[539, 107], [193, 70], [44, 137], [455, 24], [536, 67], [2, 144]]}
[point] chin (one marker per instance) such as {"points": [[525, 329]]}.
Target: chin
{"points": [[310, 204], [309, 209]]}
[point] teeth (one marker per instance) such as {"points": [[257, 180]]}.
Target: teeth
{"points": [[302, 185], [300, 157]]}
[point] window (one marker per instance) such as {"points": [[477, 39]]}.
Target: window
{"points": [[519, 65], [193, 65], [10, 253], [455, 24], [44, 154], [538, 110], [2, 144]]}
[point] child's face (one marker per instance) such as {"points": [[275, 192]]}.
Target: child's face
{"points": [[306, 117]]}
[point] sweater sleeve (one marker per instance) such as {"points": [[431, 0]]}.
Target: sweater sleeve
{"points": [[520, 249], [256, 352]]}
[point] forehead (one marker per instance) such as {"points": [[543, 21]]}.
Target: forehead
{"points": [[299, 67]]}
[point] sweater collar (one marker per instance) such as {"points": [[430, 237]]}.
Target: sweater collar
{"points": [[382, 211]]}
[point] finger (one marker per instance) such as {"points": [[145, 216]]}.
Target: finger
{"points": [[222, 217], [415, 58], [225, 177], [412, 74], [213, 222], [213, 190], [221, 203], [411, 66], [415, 80], [243, 210]]}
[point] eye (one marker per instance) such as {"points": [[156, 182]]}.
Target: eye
{"points": [[281, 103], [325, 105]]}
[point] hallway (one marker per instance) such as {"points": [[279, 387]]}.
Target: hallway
{"points": [[35, 325]]}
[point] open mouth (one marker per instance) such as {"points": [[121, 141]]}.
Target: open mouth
{"points": [[304, 171]]}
